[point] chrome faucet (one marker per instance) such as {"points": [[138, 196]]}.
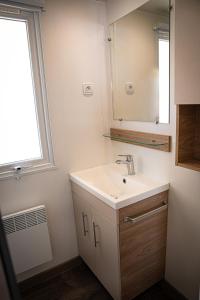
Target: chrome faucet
{"points": [[129, 162]]}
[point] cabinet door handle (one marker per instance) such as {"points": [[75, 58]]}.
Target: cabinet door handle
{"points": [[134, 220], [85, 231], [95, 237]]}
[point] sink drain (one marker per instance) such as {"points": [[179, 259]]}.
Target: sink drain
{"points": [[124, 180]]}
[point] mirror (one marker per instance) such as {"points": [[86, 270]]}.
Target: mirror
{"points": [[139, 45]]}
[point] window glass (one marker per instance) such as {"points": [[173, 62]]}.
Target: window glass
{"points": [[19, 132], [163, 80]]}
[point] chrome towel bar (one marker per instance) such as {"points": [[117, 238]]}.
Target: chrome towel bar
{"points": [[134, 220]]}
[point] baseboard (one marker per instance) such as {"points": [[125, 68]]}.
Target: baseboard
{"points": [[39, 279]]}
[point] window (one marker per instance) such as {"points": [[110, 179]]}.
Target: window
{"points": [[24, 132], [163, 49]]}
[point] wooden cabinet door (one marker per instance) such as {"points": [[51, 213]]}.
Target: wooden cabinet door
{"points": [[83, 219], [143, 245], [186, 17], [107, 254]]}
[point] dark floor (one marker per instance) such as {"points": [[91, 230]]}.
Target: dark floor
{"points": [[80, 284]]}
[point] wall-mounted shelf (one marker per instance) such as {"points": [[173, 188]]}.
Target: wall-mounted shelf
{"points": [[149, 140], [188, 136]]}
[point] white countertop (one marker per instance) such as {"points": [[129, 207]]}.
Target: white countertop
{"points": [[111, 184]]}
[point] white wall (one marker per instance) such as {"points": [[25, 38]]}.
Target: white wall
{"points": [[183, 245], [154, 163], [74, 52], [183, 250]]}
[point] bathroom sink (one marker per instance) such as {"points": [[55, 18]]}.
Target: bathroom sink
{"points": [[111, 184]]}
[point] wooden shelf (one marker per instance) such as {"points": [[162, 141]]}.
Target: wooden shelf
{"points": [[144, 139], [188, 136]]}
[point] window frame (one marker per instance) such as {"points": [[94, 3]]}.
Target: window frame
{"points": [[19, 168]]}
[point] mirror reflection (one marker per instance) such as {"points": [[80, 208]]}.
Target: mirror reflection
{"points": [[139, 45]]}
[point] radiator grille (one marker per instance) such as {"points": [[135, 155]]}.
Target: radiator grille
{"points": [[19, 222], [9, 226], [24, 219]]}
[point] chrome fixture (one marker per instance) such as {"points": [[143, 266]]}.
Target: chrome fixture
{"points": [[129, 162], [134, 220]]}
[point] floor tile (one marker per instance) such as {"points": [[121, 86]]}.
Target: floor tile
{"points": [[79, 283]]}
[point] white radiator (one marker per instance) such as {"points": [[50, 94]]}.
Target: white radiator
{"points": [[28, 238]]}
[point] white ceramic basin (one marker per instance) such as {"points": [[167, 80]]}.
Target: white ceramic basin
{"points": [[111, 184]]}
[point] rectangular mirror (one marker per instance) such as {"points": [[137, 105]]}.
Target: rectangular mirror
{"points": [[139, 45]]}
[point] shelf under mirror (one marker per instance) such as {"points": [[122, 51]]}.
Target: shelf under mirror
{"points": [[144, 139]]}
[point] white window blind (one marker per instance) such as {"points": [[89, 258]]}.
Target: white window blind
{"points": [[37, 3]]}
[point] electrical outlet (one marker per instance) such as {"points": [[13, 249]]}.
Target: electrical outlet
{"points": [[129, 88], [87, 89]]}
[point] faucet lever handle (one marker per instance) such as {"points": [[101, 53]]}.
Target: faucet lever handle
{"points": [[129, 157]]}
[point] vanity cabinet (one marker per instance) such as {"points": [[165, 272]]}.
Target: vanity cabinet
{"points": [[186, 16], [84, 232], [142, 244], [97, 238], [125, 248]]}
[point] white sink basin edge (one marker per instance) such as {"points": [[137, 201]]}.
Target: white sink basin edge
{"points": [[111, 184]]}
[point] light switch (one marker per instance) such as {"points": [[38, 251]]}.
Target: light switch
{"points": [[87, 89], [129, 88]]}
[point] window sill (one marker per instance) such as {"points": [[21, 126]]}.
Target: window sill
{"points": [[27, 171]]}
